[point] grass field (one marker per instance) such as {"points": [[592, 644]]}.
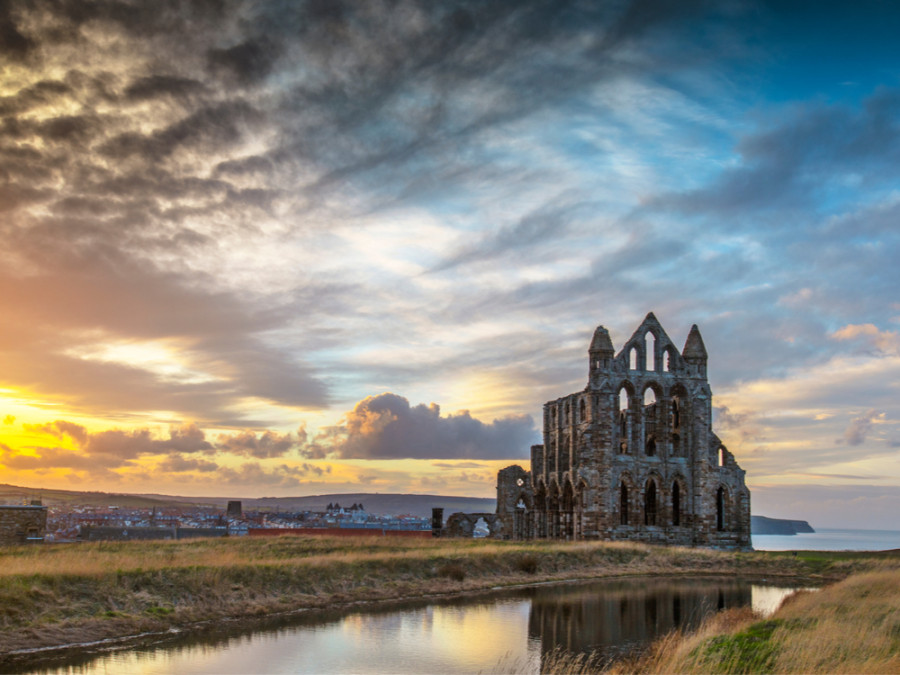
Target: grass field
{"points": [[60, 594]]}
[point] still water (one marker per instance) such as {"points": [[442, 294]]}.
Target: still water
{"points": [[503, 632], [829, 540]]}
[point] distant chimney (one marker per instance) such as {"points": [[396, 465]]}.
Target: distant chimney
{"points": [[437, 521]]}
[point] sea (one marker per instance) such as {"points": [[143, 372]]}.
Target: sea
{"points": [[826, 539]]}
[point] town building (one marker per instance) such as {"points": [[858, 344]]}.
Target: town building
{"points": [[632, 456]]}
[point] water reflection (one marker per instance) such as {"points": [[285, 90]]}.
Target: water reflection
{"points": [[626, 614], [512, 631]]}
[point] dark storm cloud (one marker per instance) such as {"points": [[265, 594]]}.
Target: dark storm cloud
{"points": [[135, 164], [13, 44], [387, 427], [155, 86], [248, 62]]}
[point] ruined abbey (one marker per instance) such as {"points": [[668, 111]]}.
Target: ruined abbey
{"points": [[632, 456]]}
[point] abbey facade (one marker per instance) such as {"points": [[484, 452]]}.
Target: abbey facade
{"points": [[633, 455]]}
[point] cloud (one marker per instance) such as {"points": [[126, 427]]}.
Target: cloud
{"points": [[789, 164], [387, 427], [884, 342], [61, 429], [859, 427], [181, 464], [265, 445], [107, 449], [281, 476]]}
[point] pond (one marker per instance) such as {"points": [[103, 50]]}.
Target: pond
{"points": [[508, 631]]}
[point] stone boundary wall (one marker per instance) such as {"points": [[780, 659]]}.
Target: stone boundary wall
{"points": [[22, 524]]}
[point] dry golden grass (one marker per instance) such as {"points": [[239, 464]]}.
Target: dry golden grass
{"points": [[849, 627]]}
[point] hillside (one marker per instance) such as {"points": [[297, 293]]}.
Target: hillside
{"points": [[375, 503]]}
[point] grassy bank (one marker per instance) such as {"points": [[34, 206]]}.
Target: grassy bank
{"points": [[848, 627], [59, 594]]}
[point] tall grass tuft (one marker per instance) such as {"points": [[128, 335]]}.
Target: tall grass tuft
{"points": [[849, 627]]}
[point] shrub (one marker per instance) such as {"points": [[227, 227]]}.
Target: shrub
{"points": [[453, 571], [527, 563]]}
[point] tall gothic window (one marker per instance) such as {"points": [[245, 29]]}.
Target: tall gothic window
{"points": [[720, 509], [650, 504], [676, 504]]}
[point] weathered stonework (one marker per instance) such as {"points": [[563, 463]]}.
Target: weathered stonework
{"points": [[22, 524], [633, 455]]}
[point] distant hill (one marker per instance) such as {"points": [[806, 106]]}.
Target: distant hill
{"points": [[375, 503], [764, 525], [13, 494]]}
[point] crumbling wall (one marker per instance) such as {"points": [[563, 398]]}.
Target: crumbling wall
{"points": [[633, 455], [22, 524], [463, 525]]}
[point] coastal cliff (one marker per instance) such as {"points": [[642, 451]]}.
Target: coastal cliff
{"points": [[764, 525]]}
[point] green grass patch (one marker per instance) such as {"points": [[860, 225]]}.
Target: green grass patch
{"points": [[750, 651]]}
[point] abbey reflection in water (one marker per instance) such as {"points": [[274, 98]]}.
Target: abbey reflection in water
{"points": [[626, 614]]}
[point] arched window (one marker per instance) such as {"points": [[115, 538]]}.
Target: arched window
{"points": [[666, 361], [623, 399], [676, 413], [649, 396], [650, 351], [720, 509], [676, 445], [651, 447], [721, 456], [650, 504], [676, 504], [581, 415], [633, 358], [623, 504]]}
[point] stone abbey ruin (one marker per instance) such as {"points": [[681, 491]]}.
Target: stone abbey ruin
{"points": [[632, 456]]}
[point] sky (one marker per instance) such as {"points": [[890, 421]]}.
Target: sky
{"points": [[290, 248]]}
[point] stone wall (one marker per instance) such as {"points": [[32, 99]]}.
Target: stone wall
{"points": [[22, 524]]}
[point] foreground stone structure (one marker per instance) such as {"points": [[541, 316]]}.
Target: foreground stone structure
{"points": [[22, 524], [632, 456]]}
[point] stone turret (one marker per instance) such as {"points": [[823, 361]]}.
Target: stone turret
{"points": [[694, 352], [600, 354]]}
